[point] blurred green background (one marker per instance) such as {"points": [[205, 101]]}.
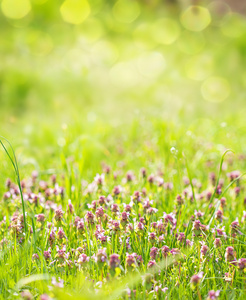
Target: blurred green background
{"points": [[84, 58], [78, 70]]}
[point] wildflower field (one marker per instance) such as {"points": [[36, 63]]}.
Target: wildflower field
{"points": [[123, 150]]}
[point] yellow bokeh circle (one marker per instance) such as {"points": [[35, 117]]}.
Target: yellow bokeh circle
{"points": [[234, 25], [75, 11], [215, 89], [195, 18], [16, 9], [126, 11], [165, 31]]}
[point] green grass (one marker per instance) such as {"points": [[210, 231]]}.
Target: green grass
{"points": [[137, 145]]}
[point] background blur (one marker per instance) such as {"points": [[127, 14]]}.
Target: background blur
{"points": [[80, 63]]}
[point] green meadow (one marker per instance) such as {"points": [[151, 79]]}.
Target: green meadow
{"points": [[123, 156]]}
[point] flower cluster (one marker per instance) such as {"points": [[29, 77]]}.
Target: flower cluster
{"points": [[128, 224]]}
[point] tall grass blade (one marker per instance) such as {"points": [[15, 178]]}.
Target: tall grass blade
{"points": [[15, 166]]}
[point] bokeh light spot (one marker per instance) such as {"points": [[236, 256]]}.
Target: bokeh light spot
{"points": [[215, 89], [75, 11], [16, 9], [195, 18], [143, 35], [165, 31], [218, 10], [126, 11], [91, 28]]}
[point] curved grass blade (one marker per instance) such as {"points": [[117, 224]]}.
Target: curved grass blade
{"points": [[15, 166]]}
